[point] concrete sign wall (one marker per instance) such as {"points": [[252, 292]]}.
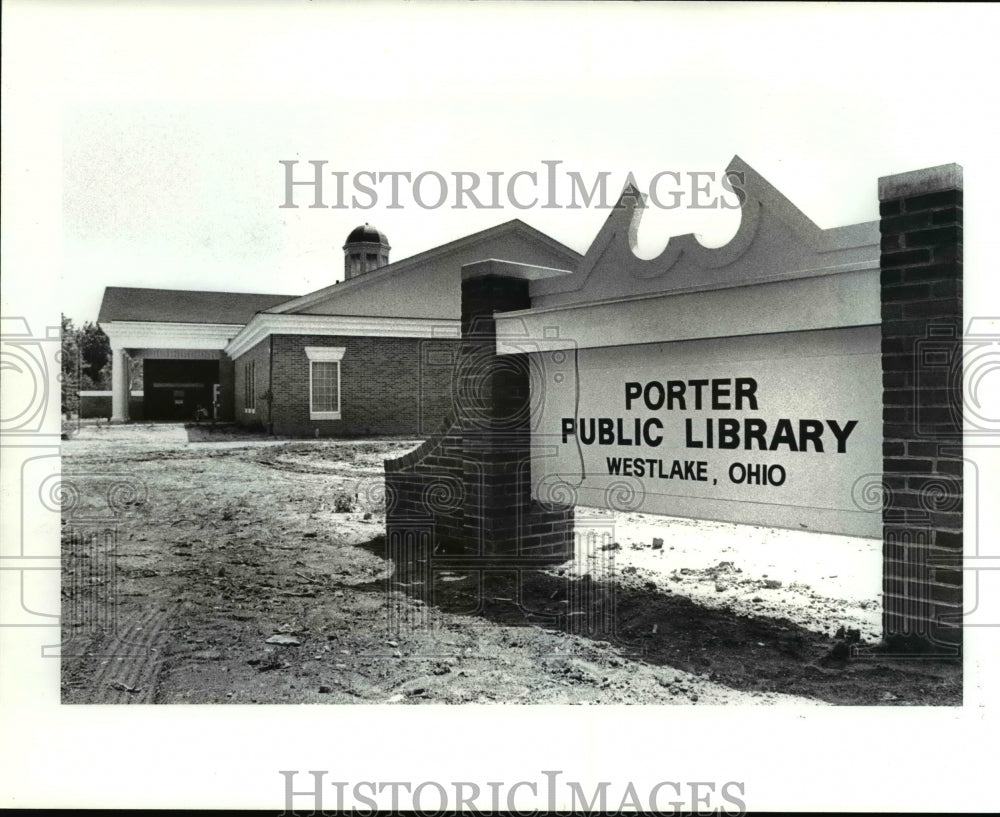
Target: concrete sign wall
{"points": [[751, 372], [782, 429]]}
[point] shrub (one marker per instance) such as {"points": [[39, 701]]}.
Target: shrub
{"points": [[343, 503]]}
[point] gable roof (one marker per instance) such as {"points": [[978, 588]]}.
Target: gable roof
{"points": [[183, 305], [512, 227], [237, 308]]}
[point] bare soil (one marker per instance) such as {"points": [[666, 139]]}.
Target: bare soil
{"points": [[210, 566]]}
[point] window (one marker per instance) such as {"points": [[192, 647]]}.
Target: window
{"points": [[250, 387], [324, 382], [325, 387]]}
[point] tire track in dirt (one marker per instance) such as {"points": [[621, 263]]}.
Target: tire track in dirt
{"points": [[125, 663]]}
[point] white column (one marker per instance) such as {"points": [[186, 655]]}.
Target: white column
{"points": [[119, 385]]}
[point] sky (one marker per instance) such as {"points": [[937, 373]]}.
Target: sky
{"points": [[142, 144], [165, 127]]}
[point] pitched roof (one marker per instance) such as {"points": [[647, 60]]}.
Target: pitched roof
{"points": [[183, 305], [514, 226], [197, 306]]}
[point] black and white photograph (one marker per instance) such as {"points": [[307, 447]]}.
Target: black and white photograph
{"points": [[498, 406]]}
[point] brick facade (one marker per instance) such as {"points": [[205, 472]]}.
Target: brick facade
{"points": [[467, 490], [922, 319], [392, 386], [260, 356]]}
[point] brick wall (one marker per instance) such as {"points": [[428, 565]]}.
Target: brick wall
{"points": [[467, 490], [388, 385], [260, 355], [922, 319], [425, 490]]}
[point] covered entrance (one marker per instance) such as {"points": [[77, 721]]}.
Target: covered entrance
{"points": [[177, 389], [179, 337]]}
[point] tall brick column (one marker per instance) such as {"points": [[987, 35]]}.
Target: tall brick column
{"points": [[493, 410], [922, 320], [466, 493]]}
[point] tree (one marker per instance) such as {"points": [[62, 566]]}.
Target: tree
{"points": [[70, 365], [95, 353]]}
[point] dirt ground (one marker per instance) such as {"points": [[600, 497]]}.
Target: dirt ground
{"points": [[210, 566]]}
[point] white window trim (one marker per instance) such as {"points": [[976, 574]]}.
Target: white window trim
{"points": [[324, 354]]}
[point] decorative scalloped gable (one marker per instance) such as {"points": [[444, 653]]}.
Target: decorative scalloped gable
{"points": [[775, 241]]}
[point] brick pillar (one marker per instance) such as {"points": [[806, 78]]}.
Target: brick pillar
{"points": [[493, 412], [468, 488], [921, 276]]}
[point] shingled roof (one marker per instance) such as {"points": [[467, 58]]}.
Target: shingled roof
{"points": [[183, 305]]}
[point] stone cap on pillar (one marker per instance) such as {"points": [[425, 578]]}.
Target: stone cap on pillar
{"points": [[917, 182], [510, 269]]}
